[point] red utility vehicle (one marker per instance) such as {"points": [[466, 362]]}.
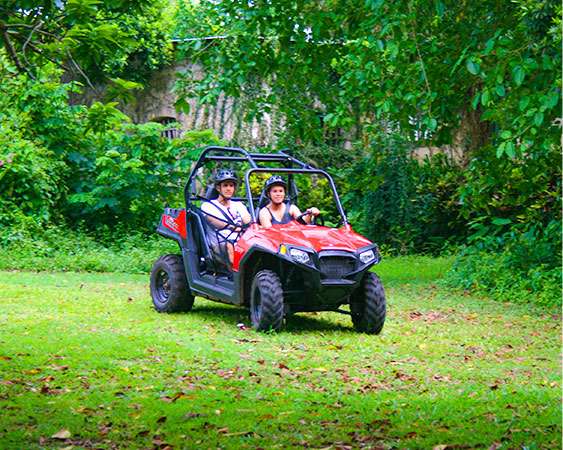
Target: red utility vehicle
{"points": [[295, 267]]}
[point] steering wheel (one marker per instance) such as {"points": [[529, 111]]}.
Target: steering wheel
{"points": [[316, 220]]}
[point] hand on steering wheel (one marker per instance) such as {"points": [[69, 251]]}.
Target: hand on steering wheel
{"points": [[313, 211]]}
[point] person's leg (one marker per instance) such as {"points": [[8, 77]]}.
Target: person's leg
{"points": [[231, 252]]}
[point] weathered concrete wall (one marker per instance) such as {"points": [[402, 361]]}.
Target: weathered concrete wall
{"points": [[226, 118], [156, 103]]}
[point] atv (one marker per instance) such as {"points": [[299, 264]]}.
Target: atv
{"points": [[276, 272]]}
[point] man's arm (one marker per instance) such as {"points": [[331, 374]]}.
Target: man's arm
{"points": [[213, 215], [244, 214]]}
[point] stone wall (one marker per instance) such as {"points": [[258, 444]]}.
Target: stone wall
{"points": [[156, 103], [226, 118]]}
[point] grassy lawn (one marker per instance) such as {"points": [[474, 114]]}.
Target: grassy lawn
{"points": [[86, 363]]}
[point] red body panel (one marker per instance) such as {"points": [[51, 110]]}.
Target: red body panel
{"points": [[314, 237], [176, 224]]}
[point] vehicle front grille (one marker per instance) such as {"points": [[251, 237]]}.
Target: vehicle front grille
{"points": [[336, 267]]}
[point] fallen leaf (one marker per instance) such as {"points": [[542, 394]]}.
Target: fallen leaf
{"points": [[62, 434], [5, 358], [161, 419], [172, 399]]}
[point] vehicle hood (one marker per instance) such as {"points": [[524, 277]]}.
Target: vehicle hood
{"points": [[294, 234]]}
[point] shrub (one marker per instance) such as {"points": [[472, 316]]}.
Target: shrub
{"points": [[58, 248], [516, 266], [406, 205]]}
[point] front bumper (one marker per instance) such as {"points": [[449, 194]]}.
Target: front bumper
{"points": [[327, 282]]}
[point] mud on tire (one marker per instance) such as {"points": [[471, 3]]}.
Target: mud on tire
{"points": [[266, 301], [169, 287], [368, 305]]}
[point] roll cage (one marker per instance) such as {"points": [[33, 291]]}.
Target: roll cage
{"points": [[259, 163]]}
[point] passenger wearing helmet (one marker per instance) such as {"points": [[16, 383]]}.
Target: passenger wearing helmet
{"points": [[225, 215], [277, 211]]}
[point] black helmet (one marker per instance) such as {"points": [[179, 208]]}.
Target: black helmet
{"points": [[226, 175], [274, 180]]}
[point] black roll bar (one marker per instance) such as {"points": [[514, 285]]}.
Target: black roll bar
{"points": [[237, 154], [203, 157], [292, 171]]}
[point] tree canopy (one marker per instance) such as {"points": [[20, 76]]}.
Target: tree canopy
{"points": [[90, 38], [441, 71]]}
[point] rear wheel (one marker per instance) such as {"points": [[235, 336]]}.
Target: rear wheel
{"points": [[169, 287], [266, 301], [368, 305]]}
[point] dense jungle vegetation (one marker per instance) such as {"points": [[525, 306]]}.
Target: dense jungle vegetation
{"points": [[361, 84]]}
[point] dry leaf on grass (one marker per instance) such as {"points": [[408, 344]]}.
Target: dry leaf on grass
{"points": [[62, 434]]}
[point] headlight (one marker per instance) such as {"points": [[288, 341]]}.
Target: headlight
{"points": [[367, 256], [299, 256]]}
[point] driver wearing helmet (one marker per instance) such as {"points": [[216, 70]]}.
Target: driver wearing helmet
{"points": [[277, 211], [225, 215]]}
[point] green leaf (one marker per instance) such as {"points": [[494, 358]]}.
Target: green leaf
{"points": [[472, 66], [475, 101], [501, 92], [506, 134], [182, 105], [432, 124], [538, 118], [523, 103], [552, 99], [500, 149], [485, 97], [501, 221], [440, 8], [518, 75], [489, 46], [510, 150]]}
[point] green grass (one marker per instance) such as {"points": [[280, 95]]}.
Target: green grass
{"points": [[87, 353]]}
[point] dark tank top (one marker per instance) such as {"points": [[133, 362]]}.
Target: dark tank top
{"points": [[286, 218]]}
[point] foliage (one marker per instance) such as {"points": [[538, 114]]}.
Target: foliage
{"points": [[401, 203], [86, 353], [435, 70], [480, 77], [27, 246], [37, 128], [501, 194], [517, 266], [89, 38], [73, 163], [132, 174]]}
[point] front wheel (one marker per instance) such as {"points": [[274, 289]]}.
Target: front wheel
{"points": [[368, 305], [169, 287], [266, 301]]}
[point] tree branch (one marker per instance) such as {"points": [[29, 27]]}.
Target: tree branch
{"points": [[12, 51], [80, 71], [28, 40]]}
